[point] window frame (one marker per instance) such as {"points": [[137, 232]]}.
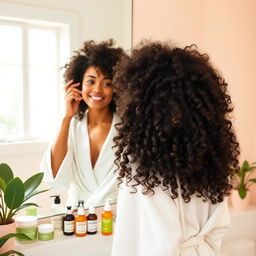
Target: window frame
{"points": [[29, 16]]}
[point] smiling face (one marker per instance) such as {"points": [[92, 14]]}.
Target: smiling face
{"points": [[97, 90]]}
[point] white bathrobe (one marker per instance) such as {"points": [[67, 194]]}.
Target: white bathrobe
{"points": [[160, 226], [94, 185]]}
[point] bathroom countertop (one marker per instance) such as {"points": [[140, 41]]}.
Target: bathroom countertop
{"points": [[243, 225], [61, 245], [93, 245]]}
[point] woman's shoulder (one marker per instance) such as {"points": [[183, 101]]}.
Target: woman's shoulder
{"points": [[77, 125]]}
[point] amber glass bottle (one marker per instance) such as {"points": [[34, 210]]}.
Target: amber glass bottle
{"points": [[69, 223], [92, 222]]}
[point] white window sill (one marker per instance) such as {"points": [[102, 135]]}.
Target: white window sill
{"points": [[23, 147]]}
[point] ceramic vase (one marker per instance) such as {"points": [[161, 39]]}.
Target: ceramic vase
{"points": [[237, 202], [5, 230]]}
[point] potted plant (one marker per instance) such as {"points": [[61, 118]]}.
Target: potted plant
{"points": [[13, 197], [240, 197]]}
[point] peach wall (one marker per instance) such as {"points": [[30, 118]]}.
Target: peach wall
{"points": [[180, 20], [223, 29]]}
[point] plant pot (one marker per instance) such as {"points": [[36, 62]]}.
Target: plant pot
{"points": [[237, 202], [5, 230]]}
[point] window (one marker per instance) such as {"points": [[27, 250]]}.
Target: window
{"points": [[29, 79], [33, 47]]}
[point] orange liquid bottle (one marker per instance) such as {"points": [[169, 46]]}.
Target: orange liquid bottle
{"points": [[107, 220], [80, 222]]}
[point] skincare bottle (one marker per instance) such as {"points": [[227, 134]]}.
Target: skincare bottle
{"points": [[80, 221], [30, 211], [107, 220], [69, 223], [57, 209], [91, 221]]}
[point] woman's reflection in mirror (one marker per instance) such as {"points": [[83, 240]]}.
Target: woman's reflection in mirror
{"points": [[81, 158]]}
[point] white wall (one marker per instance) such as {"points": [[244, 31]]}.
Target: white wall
{"points": [[98, 20]]}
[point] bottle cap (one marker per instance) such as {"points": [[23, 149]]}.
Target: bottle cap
{"points": [[80, 210], [45, 228], [107, 206], [26, 221], [80, 202], [91, 210], [68, 211], [57, 199]]}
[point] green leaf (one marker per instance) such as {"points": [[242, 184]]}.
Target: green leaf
{"points": [[14, 193], [12, 252], [3, 239], [250, 169], [25, 206], [242, 193], [239, 174], [245, 165], [252, 180], [2, 184], [33, 182], [34, 193], [6, 172]]}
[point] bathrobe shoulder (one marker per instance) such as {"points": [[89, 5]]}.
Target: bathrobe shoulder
{"points": [[159, 226], [76, 174]]}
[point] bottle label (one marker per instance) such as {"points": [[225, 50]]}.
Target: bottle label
{"points": [[30, 232], [92, 225], [45, 236], [69, 226], [106, 225], [81, 227]]}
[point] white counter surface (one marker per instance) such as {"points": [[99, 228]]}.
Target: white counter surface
{"points": [[240, 240], [90, 245]]}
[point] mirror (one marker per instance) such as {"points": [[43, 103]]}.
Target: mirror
{"points": [[27, 102]]}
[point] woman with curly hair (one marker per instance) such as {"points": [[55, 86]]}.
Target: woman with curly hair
{"points": [[82, 158], [176, 153]]}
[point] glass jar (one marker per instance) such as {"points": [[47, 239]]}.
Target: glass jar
{"points": [[45, 232]]}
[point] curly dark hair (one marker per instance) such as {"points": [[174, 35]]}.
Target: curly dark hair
{"points": [[102, 55], [176, 128]]}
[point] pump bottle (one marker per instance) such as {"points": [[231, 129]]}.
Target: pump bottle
{"points": [[107, 220], [56, 208], [80, 221]]}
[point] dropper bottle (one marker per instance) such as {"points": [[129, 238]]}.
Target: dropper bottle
{"points": [[91, 221], [107, 220], [80, 221], [69, 223]]}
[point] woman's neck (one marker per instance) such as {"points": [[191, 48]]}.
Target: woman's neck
{"points": [[96, 117]]}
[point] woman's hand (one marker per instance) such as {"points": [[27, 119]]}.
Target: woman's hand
{"points": [[72, 98]]}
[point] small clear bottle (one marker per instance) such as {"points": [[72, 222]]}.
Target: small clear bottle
{"points": [[92, 221], [69, 223]]}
